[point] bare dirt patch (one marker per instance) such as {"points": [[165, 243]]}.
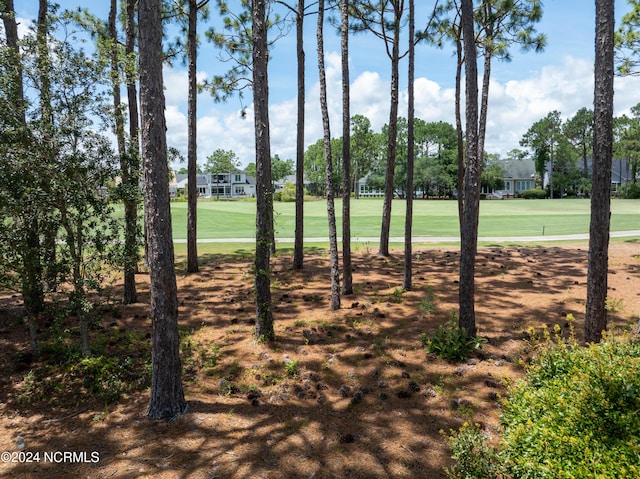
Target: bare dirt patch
{"points": [[344, 394]]}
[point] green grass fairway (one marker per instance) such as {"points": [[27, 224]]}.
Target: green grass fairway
{"points": [[236, 219]]}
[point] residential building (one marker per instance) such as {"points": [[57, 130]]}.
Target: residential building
{"points": [[519, 176], [231, 184]]}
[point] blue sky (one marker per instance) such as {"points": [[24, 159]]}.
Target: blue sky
{"points": [[522, 91]]}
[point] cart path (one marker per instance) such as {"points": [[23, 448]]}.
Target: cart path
{"points": [[429, 239]]}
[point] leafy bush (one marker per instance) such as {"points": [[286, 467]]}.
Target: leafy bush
{"points": [[291, 367], [533, 194], [288, 192], [474, 458], [451, 342], [631, 191], [103, 377], [576, 413]]}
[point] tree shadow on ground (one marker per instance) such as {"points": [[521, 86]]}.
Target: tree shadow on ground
{"points": [[347, 393]]}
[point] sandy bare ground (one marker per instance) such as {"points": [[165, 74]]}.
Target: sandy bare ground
{"points": [[362, 400]]}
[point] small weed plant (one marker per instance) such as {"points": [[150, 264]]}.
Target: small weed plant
{"points": [[451, 342], [428, 303], [291, 367], [396, 296]]}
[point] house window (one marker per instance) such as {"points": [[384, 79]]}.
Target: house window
{"points": [[524, 185], [238, 178], [202, 190], [239, 191], [507, 185]]}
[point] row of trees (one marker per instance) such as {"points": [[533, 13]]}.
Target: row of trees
{"points": [[560, 149], [54, 133], [492, 28]]}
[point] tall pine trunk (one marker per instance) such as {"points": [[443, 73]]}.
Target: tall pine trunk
{"points": [[471, 189], [298, 248], [484, 103], [130, 241], [596, 312], [133, 188], [331, 213], [393, 135], [48, 231], [192, 158], [347, 268], [459, 132], [167, 395], [408, 223], [264, 194]]}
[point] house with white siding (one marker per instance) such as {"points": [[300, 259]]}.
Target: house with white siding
{"points": [[230, 184]]}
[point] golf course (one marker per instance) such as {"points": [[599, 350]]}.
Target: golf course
{"points": [[437, 218]]}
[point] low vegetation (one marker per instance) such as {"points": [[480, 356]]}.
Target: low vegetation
{"points": [[362, 392], [575, 414], [451, 342]]}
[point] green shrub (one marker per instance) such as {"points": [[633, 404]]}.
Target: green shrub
{"points": [[451, 342], [474, 458], [631, 191], [575, 415], [291, 367], [533, 194], [102, 377], [288, 193]]}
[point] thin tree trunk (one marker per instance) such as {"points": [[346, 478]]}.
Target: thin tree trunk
{"points": [[132, 94], [48, 231], [551, 153], [11, 35], [115, 82], [471, 190], [80, 290], [331, 213], [131, 205], [31, 281], [130, 246], [392, 143], [347, 280], [192, 158], [484, 104], [482, 125], [408, 220], [167, 395], [298, 249], [264, 200], [43, 62], [596, 312], [459, 132]]}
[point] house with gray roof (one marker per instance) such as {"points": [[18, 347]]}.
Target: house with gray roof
{"points": [[520, 175]]}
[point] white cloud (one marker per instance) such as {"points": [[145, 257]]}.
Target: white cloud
{"points": [[513, 107]]}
